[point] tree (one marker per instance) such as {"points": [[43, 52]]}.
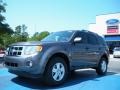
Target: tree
{"points": [[4, 27], [39, 36], [43, 35], [20, 33], [34, 37], [7, 40]]}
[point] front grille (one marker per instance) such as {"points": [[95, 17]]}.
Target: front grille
{"points": [[11, 64], [15, 50]]}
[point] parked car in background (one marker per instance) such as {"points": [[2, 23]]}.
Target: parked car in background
{"points": [[2, 52], [116, 52]]}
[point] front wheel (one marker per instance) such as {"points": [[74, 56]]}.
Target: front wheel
{"points": [[102, 67], [56, 71]]}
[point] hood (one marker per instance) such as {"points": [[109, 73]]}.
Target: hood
{"points": [[35, 43], [26, 43]]}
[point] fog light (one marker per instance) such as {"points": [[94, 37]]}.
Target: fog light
{"points": [[29, 63]]}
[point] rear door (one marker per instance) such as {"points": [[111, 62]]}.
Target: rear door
{"points": [[92, 48]]}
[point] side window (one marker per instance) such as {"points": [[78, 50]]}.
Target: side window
{"points": [[92, 39], [101, 41], [82, 35]]}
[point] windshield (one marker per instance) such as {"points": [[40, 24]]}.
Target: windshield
{"points": [[62, 36]]}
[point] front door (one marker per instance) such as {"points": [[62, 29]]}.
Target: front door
{"points": [[78, 51]]}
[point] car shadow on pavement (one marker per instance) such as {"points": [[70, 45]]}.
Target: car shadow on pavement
{"points": [[76, 78]]}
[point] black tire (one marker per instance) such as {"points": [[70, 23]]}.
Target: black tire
{"points": [[48, 75], [99, 69], [21, 77], [72, 72]]}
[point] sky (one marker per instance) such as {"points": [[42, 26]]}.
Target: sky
{"points": [[57, 15]]}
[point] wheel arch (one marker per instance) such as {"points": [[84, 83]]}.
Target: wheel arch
{"points": [[59, 54], [106, 57]]}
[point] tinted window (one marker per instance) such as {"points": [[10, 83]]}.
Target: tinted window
{"points": [[92, 39], [101, 41]]}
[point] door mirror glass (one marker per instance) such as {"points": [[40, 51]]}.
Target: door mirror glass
{"points": [[77, 39]]}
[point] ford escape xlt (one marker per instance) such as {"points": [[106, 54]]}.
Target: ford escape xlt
{"points": [[57, 55]]}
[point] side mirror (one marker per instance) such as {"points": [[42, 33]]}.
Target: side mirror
{"points": [[77, 39]]}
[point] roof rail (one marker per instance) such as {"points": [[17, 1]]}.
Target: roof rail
{"points": [[89, 31], [84, 30]]}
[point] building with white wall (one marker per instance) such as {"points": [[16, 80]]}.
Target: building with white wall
{"points": [[109, 26], [103, 22]]}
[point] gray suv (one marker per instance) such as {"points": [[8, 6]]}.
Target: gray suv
{"points": [[57, 55]]}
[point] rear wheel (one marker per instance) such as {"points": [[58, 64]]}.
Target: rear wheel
{"points": [[102, 67], [21, 77], [56, 71]]}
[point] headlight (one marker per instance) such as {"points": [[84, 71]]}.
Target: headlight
{"points": [[28, 50]]}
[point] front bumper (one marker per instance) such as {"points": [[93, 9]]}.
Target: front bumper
{"points": [[19, 65]]}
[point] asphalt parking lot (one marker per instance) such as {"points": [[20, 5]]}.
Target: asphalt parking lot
{"points": [[85, 79]]}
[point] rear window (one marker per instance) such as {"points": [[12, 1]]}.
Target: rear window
{"points": [[92, 39], [101, 41]]}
